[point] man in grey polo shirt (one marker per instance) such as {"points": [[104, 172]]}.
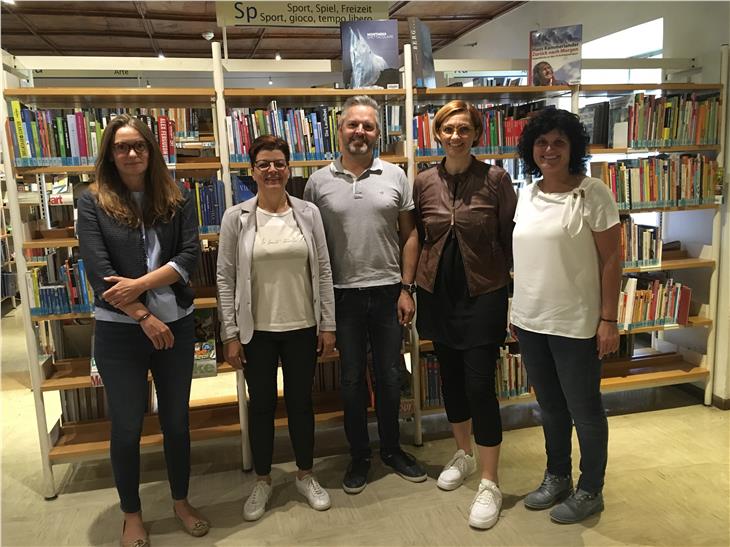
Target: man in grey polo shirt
{"points": [[367, 210]]}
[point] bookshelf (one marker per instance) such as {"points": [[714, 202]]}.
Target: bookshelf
{"points": [[216, 418]]}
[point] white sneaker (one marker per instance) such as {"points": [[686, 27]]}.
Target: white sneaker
{"points": [[255, 505], [317, 496], [485, 508], [457, 470]]}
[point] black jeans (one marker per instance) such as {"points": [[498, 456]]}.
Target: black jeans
{"points": [[124, 354], [370, 314], [467, 382], [298, 352], [566, 376]]}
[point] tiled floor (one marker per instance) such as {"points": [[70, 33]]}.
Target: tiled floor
{"points": [[667, 484]]}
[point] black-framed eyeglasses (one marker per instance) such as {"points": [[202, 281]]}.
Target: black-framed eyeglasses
{"points": [[263, 165], [123, 148]]}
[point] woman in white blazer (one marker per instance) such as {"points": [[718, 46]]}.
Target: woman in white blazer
{"points": [[276, 302]]}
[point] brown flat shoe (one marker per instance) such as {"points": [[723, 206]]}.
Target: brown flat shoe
{"points": [[199, 529], [140, 542]]}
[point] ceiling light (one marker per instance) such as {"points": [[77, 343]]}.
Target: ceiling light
{"points": [[271, 82], [161, 55], [11, 2], [277, 56], [208, 35]]}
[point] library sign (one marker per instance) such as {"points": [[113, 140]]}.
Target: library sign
{"points": [[297, 14]]}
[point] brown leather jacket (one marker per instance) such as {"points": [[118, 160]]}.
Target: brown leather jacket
{"points": [[481, 216]]}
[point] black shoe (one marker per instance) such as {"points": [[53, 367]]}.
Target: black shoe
{"points": [[404, 465], [356, 477]]}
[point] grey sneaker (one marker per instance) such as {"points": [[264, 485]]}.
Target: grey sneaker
{"points": [[552, 490], [577, 507]]}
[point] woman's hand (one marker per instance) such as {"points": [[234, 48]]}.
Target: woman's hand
{"points": [[159, 333], [125, 291], [233, 353], [513, 332], [325, 342], [607, 338]]}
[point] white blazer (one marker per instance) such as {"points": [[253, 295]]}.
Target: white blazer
{"points": [[235, 252]]}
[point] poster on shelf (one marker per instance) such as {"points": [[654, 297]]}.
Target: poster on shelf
{"points": [[370, 54], [424, 74], [555, 55]]}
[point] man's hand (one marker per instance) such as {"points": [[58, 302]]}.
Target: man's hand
{"points": [[406, 308], [325, 342], [125, 291]]}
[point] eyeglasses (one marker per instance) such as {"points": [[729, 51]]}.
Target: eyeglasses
{"points": [[123, 148], [263, 165], [462, 130]]}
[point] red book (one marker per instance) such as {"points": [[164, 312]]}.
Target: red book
{"points": [[162, 129], [81, 135], [685, 298]]}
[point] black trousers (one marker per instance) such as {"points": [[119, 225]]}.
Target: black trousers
{"points": [[467, 383], [124, 355], [297, 350]]}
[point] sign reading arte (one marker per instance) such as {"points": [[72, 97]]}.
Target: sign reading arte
{"points": [[297, 14]]}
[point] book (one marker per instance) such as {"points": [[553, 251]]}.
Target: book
{"points": [[204, 360], [555, 55], [424, 74], [370, 54]]}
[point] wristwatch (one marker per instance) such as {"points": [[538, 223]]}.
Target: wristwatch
{"points": [[410, 288]]}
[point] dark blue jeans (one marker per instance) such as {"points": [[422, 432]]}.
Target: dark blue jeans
{"points": [[369, 314], [123, 355], [566, 376]]}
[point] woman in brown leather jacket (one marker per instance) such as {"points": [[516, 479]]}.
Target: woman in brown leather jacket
{"points": [[464, 213]]}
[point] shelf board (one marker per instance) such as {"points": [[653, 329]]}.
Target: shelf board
{"points": [[89, 169], [91, 439], [686, 148], [434, 159], [316, 163], [35, 263], [670, 209], [694, 321], [74, 374], [679, 264], [55, 243], [496, 92], [296, 96], [199, 303], [103, 97], [609, 89]]}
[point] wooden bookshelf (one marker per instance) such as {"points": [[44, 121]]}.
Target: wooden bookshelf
{"points": [[670, 209], [317, 163], [694, 321], [90, 169], [505, 156], [90, 439], [493, 93], [305, 96], [679, 264], [595, 150], [111, 97], [55, 243], [622, 89]]}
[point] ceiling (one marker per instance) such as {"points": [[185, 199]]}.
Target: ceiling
{"points": [[145, 29]]}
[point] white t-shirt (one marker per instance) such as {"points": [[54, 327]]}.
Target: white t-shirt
{"points": [[281, 282], [557, 283]]}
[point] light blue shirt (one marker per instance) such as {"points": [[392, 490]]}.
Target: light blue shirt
{"points": [[160, 301]]}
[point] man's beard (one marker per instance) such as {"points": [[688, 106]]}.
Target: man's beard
{"points": [[359, 147]]}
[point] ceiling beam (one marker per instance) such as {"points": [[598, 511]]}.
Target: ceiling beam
{"points": [[27, 9], [33, 30]]}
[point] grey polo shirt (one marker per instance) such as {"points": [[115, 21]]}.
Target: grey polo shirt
{"points": [[360, 216]]}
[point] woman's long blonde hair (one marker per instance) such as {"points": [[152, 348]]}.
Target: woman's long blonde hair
{"points": [[162, 195]]}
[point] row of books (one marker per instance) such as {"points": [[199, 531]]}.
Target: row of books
{"points": [[650, 300], [90, 403], [310, 132], [666, 180], [210, 202], [59, 288], [68, 137], [641, 245], [510, 378], [205, 273], [9, 284], [673, 120], [503, 125]]}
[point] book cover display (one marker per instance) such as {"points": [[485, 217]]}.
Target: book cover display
{"points": [[424, 74], [555, 55], [370, 54]]}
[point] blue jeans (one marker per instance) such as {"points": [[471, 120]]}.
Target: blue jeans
{"points": [[566, 376], [369, 314], [124, 354]]}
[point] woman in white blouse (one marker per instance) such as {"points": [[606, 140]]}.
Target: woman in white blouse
{"points": [[567, 273], [276, 302]]}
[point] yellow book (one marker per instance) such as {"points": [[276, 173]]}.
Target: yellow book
{"points": [[197, 201], [22, 151]]}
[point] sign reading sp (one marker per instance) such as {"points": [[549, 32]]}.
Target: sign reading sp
{"points": [[297, 14]]}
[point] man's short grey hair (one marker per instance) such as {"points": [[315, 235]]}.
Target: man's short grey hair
{"points": [[360, 100]]}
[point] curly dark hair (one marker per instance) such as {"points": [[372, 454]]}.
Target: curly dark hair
{"points": [[567, 123]]}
